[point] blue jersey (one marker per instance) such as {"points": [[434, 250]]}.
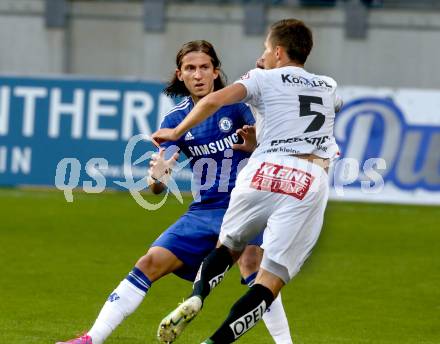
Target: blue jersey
{"points": [[214, 164]]}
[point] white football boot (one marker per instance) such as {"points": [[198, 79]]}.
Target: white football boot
{"points": [[174, 323]]}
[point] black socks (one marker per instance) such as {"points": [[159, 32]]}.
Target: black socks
{"points": [[244, 315], [212, 271]]}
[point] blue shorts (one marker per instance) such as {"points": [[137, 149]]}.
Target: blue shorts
{"points": [[192, 237]]}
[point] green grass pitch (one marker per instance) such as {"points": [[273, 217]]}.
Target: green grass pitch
{"points": [[374, 276]]}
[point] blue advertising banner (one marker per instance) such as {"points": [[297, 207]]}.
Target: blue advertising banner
{"points": [[45, 120], [390, 145]]}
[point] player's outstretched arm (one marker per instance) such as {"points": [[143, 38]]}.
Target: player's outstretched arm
{"points": [[248, 133], [207, 106]]}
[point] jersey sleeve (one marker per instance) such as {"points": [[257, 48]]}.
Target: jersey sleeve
{"points": [[168, 122], [337, 99], [246, 114], [251, 82]]}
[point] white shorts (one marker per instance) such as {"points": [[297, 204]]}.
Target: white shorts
{"points": [[287, 197]]}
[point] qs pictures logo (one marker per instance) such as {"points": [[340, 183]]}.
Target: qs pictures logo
{"points": [[68, 172]]}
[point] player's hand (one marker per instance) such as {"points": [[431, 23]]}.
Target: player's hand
{"points": [[248, 133], [160, 169], [338, 103], [164, 135]]}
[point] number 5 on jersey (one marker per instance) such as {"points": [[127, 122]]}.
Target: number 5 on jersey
{"points": [[305, 110]]}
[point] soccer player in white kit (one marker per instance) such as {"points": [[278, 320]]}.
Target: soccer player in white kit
{"points": [[283, 188]]}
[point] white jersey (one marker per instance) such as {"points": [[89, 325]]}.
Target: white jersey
{"points": [[294, 110]]}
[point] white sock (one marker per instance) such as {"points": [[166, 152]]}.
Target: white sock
{"points": [[276, 322], [121, 303]]}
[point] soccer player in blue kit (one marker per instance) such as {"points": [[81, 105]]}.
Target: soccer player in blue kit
{"points": [[184, 245]]}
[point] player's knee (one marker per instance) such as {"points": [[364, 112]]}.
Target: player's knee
{"points": [[147, 265], [250, 260], [269, 280], [248, 263], [152, 265]]}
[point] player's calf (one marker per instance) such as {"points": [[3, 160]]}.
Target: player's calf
{"points": [[244, 315], [212, 271]]}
